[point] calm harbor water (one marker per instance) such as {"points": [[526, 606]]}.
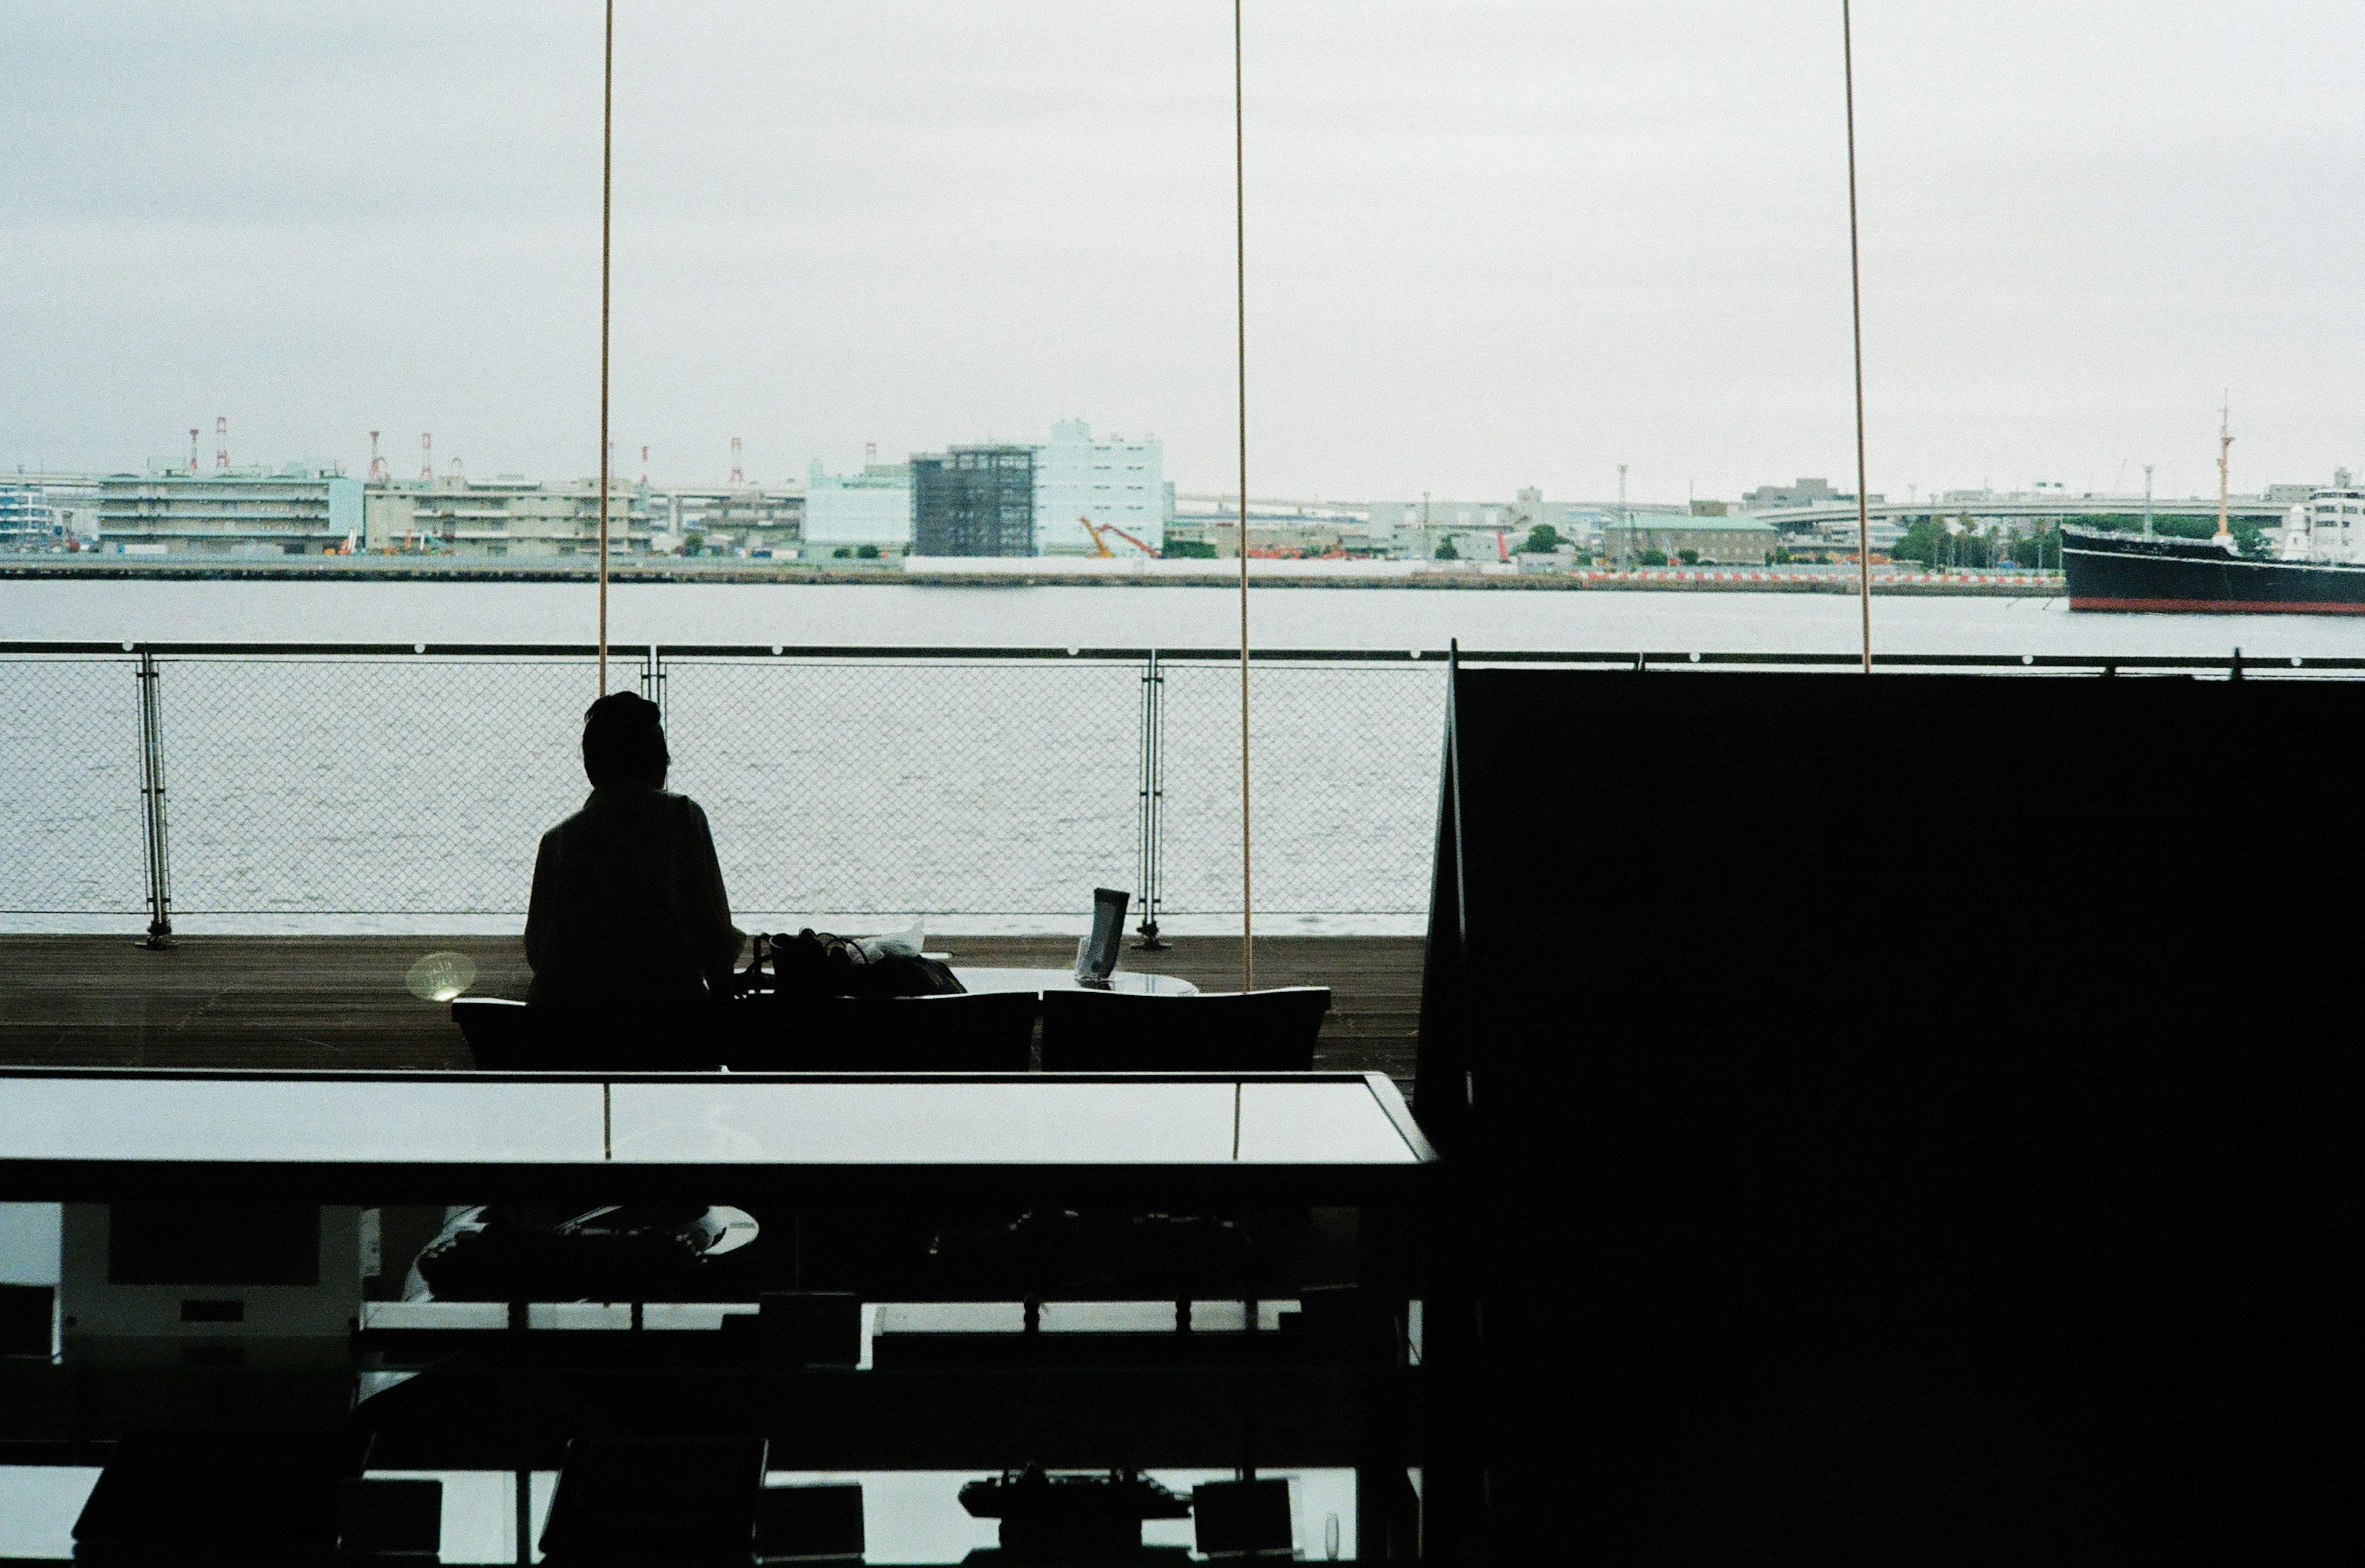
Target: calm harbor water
{"points": [[889, 615], [405, 794]]}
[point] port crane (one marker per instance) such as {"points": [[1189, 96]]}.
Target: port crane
{"points": [[1099, 533]]}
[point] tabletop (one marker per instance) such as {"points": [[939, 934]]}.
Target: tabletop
{"points": [[1040, 981], [69, 1135]]}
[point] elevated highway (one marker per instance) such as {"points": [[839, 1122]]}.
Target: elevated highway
{"points": [[2256, 508]]}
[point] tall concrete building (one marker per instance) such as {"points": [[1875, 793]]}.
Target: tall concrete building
{"points": [[849, 511], [293, 511], [974, 501], [26, 519], [1115, 482]]}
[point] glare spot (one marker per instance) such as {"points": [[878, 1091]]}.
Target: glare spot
{"points": [[440, 977]]}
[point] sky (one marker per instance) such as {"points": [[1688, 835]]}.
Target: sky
{"points": [[1490, 244]]}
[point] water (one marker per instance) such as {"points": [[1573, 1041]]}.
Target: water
{"points": [[890, 615], [407, 793]]}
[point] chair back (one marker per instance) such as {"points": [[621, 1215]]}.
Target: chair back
{"points": [[966, 1031], [513, 1037], [1250, 1031], [503, 1037]]}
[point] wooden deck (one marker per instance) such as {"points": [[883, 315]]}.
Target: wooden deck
{"points": [[289, 1001]]}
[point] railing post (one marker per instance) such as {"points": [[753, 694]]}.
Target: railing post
{"points": [[151, 808], [653, 680], [1153, 798]]}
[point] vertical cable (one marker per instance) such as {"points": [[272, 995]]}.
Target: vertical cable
{"points": [[1856, 309], [1240, 258], [607, 171]]}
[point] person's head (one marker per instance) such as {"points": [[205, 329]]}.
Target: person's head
{"points": [[623, 742]]}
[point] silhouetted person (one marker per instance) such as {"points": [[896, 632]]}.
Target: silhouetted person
{"points": [[629, 932]]}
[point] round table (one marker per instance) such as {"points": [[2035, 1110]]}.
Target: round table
{"points": [[1041, 980]]}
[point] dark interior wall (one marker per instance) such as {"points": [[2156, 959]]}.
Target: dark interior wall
{"points": [[1944, 1175]]}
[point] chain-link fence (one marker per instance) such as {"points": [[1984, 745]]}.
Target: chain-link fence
{"points": [[70, 777], [339, 785], [928, 786], [1343, 785], [1003, 784], [314, 782]]}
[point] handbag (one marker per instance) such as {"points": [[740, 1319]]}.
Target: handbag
{"points": [[814, 964]]}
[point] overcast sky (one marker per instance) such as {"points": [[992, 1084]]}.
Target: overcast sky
{"points": [[1490, 244]]}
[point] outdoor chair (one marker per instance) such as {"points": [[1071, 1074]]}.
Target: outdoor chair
{"points": [[968, 1032], [502, 1035], [1252, 1031]]}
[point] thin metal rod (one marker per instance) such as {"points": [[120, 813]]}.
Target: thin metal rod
{"points": [[1856, 309], [1240, 258], [607, 179]]}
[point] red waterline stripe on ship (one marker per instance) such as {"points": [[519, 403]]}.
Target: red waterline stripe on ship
{"points": [[2224, 606]]}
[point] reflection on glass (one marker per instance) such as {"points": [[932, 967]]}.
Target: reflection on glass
{"points": [[481, 1510], [1045, 1122], [915, 1516], [1317, 1123], [39, 1504], [441, 976], [137, 1120]]}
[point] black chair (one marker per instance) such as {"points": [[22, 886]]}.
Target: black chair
{"points": [[655, 1502], [1250, 1031], [215, 1496], [511, 1037], [501, 1036], [968, 1032]]}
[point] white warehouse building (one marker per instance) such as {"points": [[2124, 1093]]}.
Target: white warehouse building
{"points": [[1115, 482], [873, 507]]}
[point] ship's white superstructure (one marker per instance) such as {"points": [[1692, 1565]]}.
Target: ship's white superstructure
{"points": [[2328, 527]]}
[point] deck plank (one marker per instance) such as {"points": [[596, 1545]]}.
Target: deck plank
{"points": [[312, 1001]]}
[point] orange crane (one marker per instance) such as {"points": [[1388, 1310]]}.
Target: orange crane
{"points": [[1099, 533]]}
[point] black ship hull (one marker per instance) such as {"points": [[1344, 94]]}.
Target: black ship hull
{"points": [[2130, 572]]}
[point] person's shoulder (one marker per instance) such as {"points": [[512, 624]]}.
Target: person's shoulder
{"points": [[568, 825], [682, 807]]}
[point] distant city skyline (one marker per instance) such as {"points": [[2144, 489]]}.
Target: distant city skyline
{"points": [[1490, 244]]}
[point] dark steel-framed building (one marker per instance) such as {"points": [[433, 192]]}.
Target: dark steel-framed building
{"points": [[974, 501]]}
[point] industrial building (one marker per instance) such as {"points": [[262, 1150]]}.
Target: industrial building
{"points": [[1117, 484], [511, 515], [296, 510], [1718, 541], [1478, 529], [974, 501], [1802, 493], [850, 510], [735, 519]]}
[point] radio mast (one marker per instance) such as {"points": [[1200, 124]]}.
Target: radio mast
{"points": [[2224, 444]]}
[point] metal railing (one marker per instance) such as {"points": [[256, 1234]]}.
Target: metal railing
{"points": [[415, 781]]}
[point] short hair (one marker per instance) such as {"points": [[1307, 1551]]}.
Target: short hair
{"points": [[623, 741]]}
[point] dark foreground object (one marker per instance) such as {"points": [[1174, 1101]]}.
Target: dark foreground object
{"points": [[2002, 1235]]}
